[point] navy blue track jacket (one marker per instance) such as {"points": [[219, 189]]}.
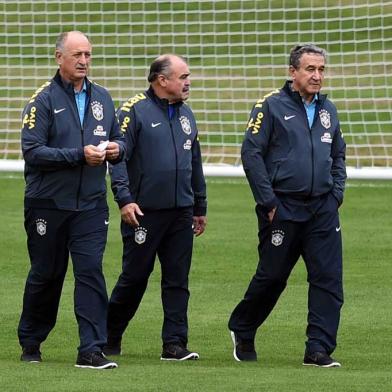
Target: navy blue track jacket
{"points": [[282, 155], [53, 141], [163, 166]]}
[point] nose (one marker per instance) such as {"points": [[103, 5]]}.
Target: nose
{"points": [[317, 74], [83, 58]]}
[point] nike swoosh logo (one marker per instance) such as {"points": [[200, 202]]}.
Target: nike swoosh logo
{"points": [[288, 117], [155, 124], [106, 222], [337, 228], [58, 110]]}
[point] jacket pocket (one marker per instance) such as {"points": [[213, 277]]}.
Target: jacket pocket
{"points": [[139, 186], [275, 172], [41, 180]]}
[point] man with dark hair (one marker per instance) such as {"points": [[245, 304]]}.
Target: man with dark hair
{"points": [[293, 155], [161, 192], [69, 132]]}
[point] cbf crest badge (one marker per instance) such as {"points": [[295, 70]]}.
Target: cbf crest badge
{"points": [[41, 226], [277, 237], [186, 125], [97, 109], [140, 235], [325, 118]]}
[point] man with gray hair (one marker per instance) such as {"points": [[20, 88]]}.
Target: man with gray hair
{"points": [[69, 134], [161, 193], [293, 155]]}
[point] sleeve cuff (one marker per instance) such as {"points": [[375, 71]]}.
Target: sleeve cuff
{"points": [[126, 200], [270, 205], [81, 155], [199, 211]]}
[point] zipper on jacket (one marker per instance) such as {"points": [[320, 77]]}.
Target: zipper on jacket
{"points": [[311, 142], [311, 145], [319, 104], [175, 154], [81, 172], [82, 135]]}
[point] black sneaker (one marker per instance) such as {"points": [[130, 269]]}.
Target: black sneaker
{"points": [[112, 347], [177, 352], [320, 359], [244, 350], [31, 354], [95, 360]]}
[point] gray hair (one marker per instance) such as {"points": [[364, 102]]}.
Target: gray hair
{"points": [[297, 52], [162, 66], [63, 37]]}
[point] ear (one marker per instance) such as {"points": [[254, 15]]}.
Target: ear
{"points": [[162, 80], [292, 72], [58, 56]]}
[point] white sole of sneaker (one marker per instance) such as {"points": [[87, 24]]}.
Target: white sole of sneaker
{"points": [[111, 365], [191, 356], [232, 334], [331, 365]]}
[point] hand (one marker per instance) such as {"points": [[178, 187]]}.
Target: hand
{"points": [[112, 151], [129, 212], [93, 156], [199, 225], [271, 215]]}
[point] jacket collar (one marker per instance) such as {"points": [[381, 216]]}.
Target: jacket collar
{"points": [[295, 94], [68, 87], [163, 103]]}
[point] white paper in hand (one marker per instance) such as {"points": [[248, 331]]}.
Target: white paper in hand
{"points": [[102, 146]]}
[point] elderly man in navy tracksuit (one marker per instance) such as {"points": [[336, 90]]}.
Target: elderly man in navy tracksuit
{"points": [[64, 125], [294, 158], [162, 196]]}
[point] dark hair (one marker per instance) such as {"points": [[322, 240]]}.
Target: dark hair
{"points": [[162, 66], [297, 52], [63, 37]]}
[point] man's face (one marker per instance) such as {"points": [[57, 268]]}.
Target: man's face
{"points": [[308, 77], [74, 60], [178, 83]]}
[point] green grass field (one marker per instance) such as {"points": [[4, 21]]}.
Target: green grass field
{"points": [[224, 260]]}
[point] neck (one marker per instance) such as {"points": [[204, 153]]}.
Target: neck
{"points": [[307, 98], [160, 93], [77, 84]]}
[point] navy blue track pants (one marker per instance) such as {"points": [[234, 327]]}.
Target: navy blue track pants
{"points": [[167, 234], [281, 243], [51, 236]]}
